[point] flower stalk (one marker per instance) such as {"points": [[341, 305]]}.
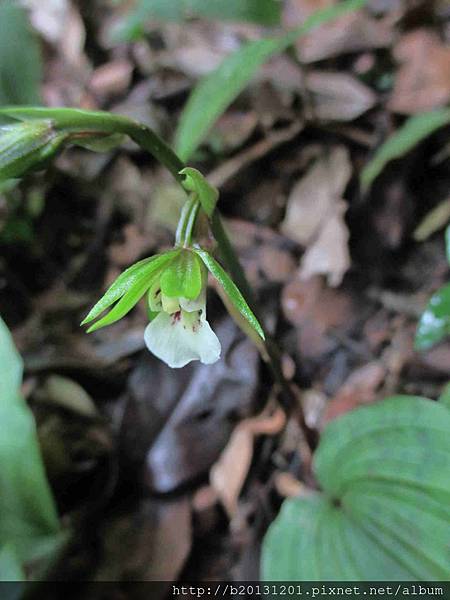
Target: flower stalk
{"points": [[179, 309]]}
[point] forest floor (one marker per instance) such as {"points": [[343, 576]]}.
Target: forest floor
{"points": [[176, 474]]}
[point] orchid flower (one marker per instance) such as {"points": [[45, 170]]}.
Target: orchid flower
{"points": [[175, 284]]}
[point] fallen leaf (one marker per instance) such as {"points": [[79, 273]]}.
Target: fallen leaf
{"points": [[151, 543], [353, 32], [265, 254], [360, 388], [314, 194], [243, 159], [68, 394], [288, 486], [314, 217], [197, 421], [328, 254], [228, 475], [316, 310], [423, 80], [230, 472], [49, 18], [338, 96], [111, 78], [232, 130]]}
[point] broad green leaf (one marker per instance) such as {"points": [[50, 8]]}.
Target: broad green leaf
{"points": [[140, 271], [196, 182], [447, 243], [217, 91], [383, 512], [182, 278], [444, 398], [266, 12], [230, 289], [10, 568], [20, 59], [434, 324], [415, 130], [28, 519]]}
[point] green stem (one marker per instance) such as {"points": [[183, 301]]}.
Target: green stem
{"points": [[146, 140], [185, 227], [75, 121]]}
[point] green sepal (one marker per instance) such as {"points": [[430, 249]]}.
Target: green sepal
{"points": [[183, 277], [27, 145], [207, 194], [125, 304], [230, 289], [434, 324], [138, 276]]}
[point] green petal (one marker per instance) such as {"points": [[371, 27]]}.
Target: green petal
{"points": [[231, 290], [142, 270], [182, 278]]}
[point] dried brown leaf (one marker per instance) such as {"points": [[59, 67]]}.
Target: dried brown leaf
{"points": [[423, 79], [353, 32], [314, 217], [338, 96]]}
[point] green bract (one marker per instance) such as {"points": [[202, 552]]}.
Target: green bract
{"points": [[175, 284], [27, 145], [206, 193]]}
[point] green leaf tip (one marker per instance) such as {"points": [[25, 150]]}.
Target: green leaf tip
{"points": [[230, 289], [207, 194], [412, 132], [215, 92]]}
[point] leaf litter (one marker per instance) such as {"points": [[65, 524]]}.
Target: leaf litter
{"points": [[186, 470]]}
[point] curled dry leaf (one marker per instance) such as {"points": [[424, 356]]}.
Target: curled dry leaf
{"points": [[423, 79], [315, 217], [230, 471]]}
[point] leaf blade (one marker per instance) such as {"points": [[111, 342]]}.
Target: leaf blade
{"points": [[206, 104], [264, 12], [434, 324], [402, 141], [28, 518], [393, 528], [20, 58]]}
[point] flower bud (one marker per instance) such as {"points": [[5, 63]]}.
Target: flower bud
{"points": [[27, 145]]}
